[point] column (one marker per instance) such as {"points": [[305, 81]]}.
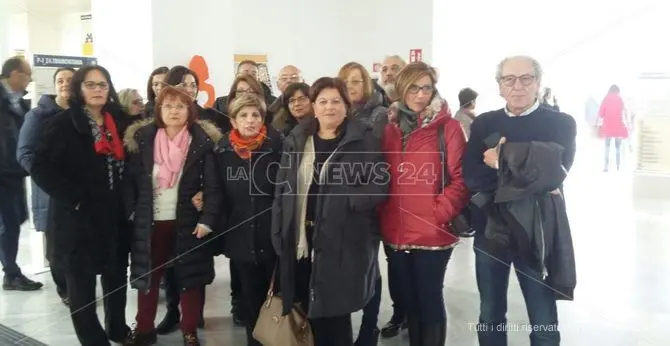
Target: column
{"points": [[4, 30], [122, 39]]}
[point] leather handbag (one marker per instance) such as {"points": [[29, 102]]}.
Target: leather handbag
{"points": [[274, 329]]}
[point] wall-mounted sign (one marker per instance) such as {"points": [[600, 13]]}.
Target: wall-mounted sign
{"points": [[44, 67], [87, 45], [206, 88], [376, 67], [415, 55]]}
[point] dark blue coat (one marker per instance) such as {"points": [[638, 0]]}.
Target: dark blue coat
{"points": [[28, 136]]}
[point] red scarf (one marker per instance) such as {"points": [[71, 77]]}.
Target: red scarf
{"points": [[103, 146], [244, 146]]}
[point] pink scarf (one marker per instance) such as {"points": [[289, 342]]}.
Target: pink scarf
{"points": [[170, 155]]}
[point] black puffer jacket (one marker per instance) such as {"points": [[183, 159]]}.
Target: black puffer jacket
{"points": [[248, 194], [194, 265], [372, 113], [346, 236]]}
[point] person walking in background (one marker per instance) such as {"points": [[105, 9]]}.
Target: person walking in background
{"points": [[15, 77], [613, 124], [466, 112], [549, 100], [47, 107]]}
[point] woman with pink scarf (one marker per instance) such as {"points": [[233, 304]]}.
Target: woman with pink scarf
{"points": [[171, 160]]}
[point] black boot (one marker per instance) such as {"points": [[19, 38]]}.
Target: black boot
{"points": [[414, 330], [394, 327], [434, 334], [170, 322], [367, 336]]}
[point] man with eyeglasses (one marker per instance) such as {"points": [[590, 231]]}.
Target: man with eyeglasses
{"points": [[521, 122], [16, 75]]}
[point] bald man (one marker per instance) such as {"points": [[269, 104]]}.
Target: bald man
{"points": [[288, 75]]}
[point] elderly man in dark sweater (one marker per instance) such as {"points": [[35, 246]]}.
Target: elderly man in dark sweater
{"points": [[522, 120]]}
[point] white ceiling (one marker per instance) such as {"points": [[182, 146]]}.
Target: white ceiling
{"points": [[52, 6]]}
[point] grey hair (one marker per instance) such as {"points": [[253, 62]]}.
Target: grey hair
{"points": [[395, 56], [537, 68]]}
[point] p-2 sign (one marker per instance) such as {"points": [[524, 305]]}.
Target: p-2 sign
{"points": [[415, 55]]}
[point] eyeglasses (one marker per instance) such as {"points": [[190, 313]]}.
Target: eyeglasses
{"points": [[90, 85], [138, 102], [526, 80], [189, 85], [414, 89], [354, 82], [299, 99], [169, 108]]}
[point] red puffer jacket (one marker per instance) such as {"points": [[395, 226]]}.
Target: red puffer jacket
{"points": [[415, 214]]}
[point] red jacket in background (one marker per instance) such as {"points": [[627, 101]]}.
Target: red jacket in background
{"points": [[611, 116], [414, 216]]}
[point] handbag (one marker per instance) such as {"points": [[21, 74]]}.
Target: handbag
{"points": [[460, 225], [274, 329]]}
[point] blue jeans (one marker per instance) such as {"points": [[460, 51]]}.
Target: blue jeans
{"points": [[492, 272]]}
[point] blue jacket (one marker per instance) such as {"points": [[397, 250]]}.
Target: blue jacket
{"points": [[28, 137]]}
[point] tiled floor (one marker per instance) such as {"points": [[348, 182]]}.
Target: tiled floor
{"points": [[621, 298]]}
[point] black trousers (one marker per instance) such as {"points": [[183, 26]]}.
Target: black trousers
{"points": [[59, 278], [395, 279], [328, 331], [13, 212], [423, 282], [235, 282], [255, 280], [81, 291], [172, 293]]}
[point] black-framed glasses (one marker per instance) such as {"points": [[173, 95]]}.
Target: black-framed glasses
{"points": [[510, 80], [414, 89], [299, 99]]}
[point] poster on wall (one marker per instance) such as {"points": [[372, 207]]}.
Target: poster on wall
{"points": [[415, 55], [87, 44], [261, 60], [206, 90], [44, 67]]}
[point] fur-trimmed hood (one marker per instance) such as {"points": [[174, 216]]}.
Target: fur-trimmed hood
{"points": [[148, 127]]}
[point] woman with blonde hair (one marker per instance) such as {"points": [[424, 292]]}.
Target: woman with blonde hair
{"points": [[252, 151], [366, 101], [415, 217], [131, 103]]}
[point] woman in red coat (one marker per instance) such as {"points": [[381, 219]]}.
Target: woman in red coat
{"points": [[612, 124], [418, 208]]}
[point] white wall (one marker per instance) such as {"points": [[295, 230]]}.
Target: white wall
{"points": [[317, 36], [583, 45], [122, 40]]}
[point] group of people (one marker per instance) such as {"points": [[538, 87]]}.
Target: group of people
{"points": [[300, 189]]}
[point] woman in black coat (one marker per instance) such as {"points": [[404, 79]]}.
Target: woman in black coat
{"points": [[171, 159], [331, 179], [79, 163], [296, 108], [187, 82], [249, 157]]}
